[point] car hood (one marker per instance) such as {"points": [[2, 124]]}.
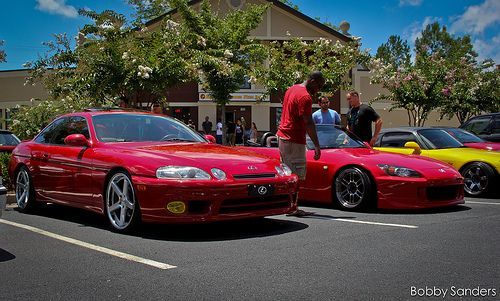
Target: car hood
{"points": [[493, 146], [368, 156], [204, 155]]}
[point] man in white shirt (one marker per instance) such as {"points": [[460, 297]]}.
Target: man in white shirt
{"points": [[218, 131], [325, 115]]}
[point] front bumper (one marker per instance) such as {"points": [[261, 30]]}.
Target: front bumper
{"points": [[419, 193], [207, 201], [3, 199]]}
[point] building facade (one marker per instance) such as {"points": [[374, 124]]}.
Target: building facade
{"points": [[190, 101]]}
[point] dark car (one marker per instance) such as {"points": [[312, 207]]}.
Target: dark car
{"points": [[485, 126], [8, 141], [471, 140]]}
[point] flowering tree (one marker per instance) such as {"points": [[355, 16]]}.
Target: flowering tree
{"points": [[220, 48], [2, 53], [111, 60], [444, 76], [290, 61]]}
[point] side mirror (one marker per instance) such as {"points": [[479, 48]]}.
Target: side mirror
{"points": [[414, 146], [210, 138], [76, 140]]}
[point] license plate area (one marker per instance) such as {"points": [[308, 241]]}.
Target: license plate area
{"points": [[261, 190]]}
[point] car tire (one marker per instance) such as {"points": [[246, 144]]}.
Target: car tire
{"points": [[478, 178], [353, 189], [120, 203], [25, 191]]}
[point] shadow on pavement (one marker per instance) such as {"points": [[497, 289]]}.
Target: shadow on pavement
{"points": [[6, 256], [229, 230], [219, 231], [442, 210], [336, 210]]}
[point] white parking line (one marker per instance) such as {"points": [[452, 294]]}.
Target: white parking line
{"points": [[486, 203], [126, 256], [369, 223]]}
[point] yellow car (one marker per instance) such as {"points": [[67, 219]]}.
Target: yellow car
{"points": [[480, 168]]}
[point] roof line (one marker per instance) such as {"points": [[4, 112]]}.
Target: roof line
{"points": [[276, 3]]}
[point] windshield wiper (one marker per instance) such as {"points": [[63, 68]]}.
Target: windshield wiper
{"points": [[178, 139]]}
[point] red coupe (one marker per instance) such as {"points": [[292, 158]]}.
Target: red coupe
{"points": [[353, 175], [471, 140], [133, 166]]}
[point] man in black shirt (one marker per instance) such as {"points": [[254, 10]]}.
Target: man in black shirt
{"points": [[207, 126], [360, 118]]}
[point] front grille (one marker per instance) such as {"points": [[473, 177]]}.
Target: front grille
{"points": [[443, 193], [255, 176], [255, 204]]}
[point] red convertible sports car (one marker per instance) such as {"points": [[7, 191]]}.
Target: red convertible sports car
{"points": [[471, 140], [133, 166], [353, 175]]}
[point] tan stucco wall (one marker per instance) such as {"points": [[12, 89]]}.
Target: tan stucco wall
{"points": [[207, 109], [12, 88], [261, 116]]}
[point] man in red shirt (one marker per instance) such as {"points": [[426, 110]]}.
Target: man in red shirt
{"points": [[296, 121]]}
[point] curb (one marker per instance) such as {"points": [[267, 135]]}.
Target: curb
{"points": [[11, 198]]}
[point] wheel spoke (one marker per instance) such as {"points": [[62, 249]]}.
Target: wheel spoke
{"points": [[116, 189], [128, 204], [123, 215], [114, 207]]}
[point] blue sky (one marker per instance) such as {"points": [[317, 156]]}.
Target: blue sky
{"points": [[25, 24]]}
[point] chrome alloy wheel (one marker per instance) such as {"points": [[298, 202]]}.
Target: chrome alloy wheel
{"points": [[475, 179], [120, 201], [23, 187], [351, 187]]}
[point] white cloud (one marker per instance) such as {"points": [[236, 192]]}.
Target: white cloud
{"points": [[489, 49], [477, 17], [410, 2], [57, 7], [414, 30]]}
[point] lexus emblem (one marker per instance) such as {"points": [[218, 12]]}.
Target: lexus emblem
{"points": [[251, 167], [262, 190]]}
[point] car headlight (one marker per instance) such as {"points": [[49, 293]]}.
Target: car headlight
{"points": [[218, 174], [399, 171], [283, 170], [181, 172]]}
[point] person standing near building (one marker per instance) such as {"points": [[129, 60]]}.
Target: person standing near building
{"points": [[218, 131], [360, 117], [253, 133], [207, 126], [325, 115], [296, 121], [238, 133], [156, 109]]}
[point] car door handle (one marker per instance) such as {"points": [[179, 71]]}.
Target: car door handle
{"points": [[40, 155]]}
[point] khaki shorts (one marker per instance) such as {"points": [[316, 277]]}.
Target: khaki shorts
{"points": [[294, 156]]}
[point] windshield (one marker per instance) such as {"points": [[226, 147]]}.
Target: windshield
{"points": [[141, 127], [8, 139], [437, 139], [331, 136], [464, 136]]}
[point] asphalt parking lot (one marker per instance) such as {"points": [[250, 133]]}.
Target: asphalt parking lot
{"points": [[61, 253]]}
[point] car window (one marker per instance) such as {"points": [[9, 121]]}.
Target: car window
{"points": [[478, 125], [397, 139], [58, 130], [53, 132], [8, 139], [438, 139], [463, 136], [334, 137], [141, 127], [496, 126]]}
